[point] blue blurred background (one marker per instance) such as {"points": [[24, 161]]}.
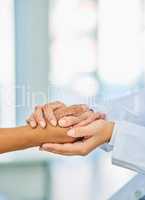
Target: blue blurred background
{"points": [[80, 51]]}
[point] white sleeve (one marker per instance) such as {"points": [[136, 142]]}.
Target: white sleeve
{"points": [[129, 146], [128, 139]]}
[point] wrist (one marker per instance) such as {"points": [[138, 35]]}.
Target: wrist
{"points": [[34, 137], [38, 136], [108, 131]]}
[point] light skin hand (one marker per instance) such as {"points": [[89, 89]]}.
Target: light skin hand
{"points": [[93, 135], [56, 113], [44, 114], [82, 120]]}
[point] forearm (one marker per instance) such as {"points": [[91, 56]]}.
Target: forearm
{"points": [[12, 139]]}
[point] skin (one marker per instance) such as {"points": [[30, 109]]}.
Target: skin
{"points": [[94, 135], [57, 113], [88, 125], [12, 139]]}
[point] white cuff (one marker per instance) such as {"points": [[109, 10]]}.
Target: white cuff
{"points": [[129, 146], [110, 145]]}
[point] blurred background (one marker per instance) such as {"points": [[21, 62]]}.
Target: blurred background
{"points": [[80, 51]]}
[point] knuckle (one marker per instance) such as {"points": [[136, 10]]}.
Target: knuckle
{"points": [[85, 107], [94, 115], [38, 116], [56, 103], [59, 102], [38, 107], [90, 113], [48, 107], [59, 114], [45, 106]]}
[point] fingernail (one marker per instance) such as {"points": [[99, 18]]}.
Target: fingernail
{"points": [[53, 122], [71, 133], [62, 122], [42, 124]]}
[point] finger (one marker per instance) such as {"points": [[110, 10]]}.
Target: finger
{"points": [[78, 109], [63, 149], [49, 111], [75, 110], [68, 121], [78, 148], [51, 150], [31, 121], [49, 115], [103, 115], [91, 117], [39, 117], [90, 144], [72, 120], [60, 153], [56, 105], [79, 132]]}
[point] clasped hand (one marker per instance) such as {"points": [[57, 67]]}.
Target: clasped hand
{"points": [[90, 126]]}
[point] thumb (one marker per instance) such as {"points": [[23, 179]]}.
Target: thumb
{"points": [[79, 132]]}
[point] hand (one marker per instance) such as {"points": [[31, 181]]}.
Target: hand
{"points": [[57, 113], [93, 135], [43, 114]]}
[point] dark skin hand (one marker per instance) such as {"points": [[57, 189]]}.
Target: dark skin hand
{"points": [[12, 139]]}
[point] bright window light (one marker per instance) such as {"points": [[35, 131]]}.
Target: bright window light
{"points": [[74, 43], [7, 63], [81, 18], [120, 53], [102, 36], [86, 86]]}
